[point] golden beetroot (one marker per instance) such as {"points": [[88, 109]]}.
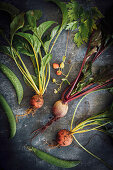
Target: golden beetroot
{"points": [[64, 137], [36, 101]]}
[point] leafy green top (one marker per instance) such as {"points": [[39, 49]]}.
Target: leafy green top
{"points": [[35, 41], [81, 20]]}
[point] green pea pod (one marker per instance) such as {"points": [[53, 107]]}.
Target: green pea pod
{"points": [[53, 160], [14, 80], [10, 116]]}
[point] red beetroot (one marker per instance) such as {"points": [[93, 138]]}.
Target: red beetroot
{"points": [[60, 109]]}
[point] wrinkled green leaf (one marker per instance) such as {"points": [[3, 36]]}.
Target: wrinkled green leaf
{"points": [[73, 10], [46, 45], [54, 31], [52, 35], [83, 19], [6, 50], [78, 39], [31, 19], [22, 46], [42, 28], [12, 10], [33, 41], [16, 24], [72, 26], [83, 29]]}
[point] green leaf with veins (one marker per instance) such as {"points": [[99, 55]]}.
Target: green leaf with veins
{"points": [[16, 24], [72, 26], [73, 10], [84, 20], [6, 50], [31, 19], [83, 30], [33, 41], [42, 28], [54, 31], [22, 46], [78, 39], [51, 36], [46, 45], [35, 45]]}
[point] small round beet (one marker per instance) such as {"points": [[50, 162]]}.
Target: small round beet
{"points": [[36, 101], [64, 137]]}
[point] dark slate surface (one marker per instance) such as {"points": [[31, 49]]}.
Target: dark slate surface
{"points": [[13, 154]]}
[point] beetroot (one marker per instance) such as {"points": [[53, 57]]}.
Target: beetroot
{"points": [[64, 137]]}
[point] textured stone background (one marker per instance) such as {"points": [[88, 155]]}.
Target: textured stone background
{"points": [[13, 154]]}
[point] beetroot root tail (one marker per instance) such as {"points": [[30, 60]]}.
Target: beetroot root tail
{"points": [[43, 128], [27, 112]]}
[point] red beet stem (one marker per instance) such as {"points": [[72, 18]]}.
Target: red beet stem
{"points": [[83, 63], [76, 80], [63, 97], [72, 86], [88, 91], [43, 128]]}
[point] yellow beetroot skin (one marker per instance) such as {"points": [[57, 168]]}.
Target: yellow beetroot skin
{"points": [[36, 101], [64, 137], [60, 109]]}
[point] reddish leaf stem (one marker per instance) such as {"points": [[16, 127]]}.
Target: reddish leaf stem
{"points": [[66, 97], [83, 63], [88, 91]]}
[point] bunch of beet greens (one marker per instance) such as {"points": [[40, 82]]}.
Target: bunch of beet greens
{"points": [[35, 41], [85, 82]]}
